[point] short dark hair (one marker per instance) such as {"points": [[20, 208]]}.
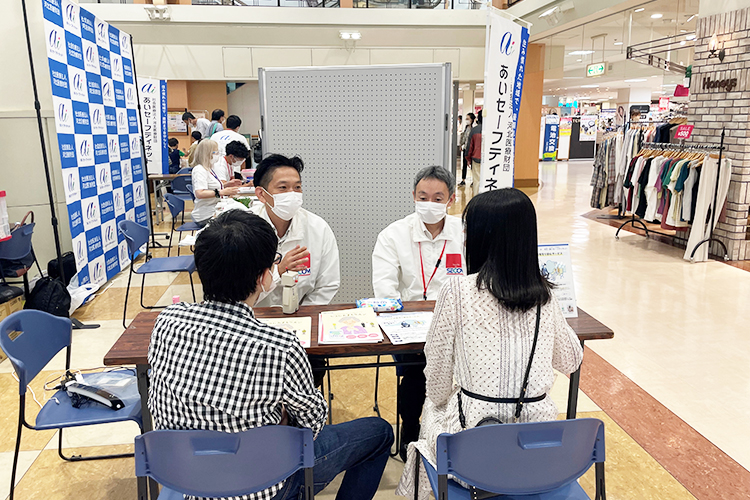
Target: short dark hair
{"points": [[197, 135], [237, 149], [173, 142], [472, 116], [233, 121], [438, 173], [187, 116], [460, 117], [269, 164], [231, 253], [217, 114], [479, 117], [501, 248]]}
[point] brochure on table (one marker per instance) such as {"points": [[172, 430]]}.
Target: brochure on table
{"points": [[406, 328], [299, 326], [349, 326], [554, 261]]}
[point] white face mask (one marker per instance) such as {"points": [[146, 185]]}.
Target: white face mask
{"points": [[430, 212], [215, 157], [238, 164], [271, 287], [286, 205]]}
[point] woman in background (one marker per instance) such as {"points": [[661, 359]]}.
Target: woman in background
{"points": [[207, 187], [483, 330]]}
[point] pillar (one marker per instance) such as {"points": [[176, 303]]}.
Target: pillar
{"points": [[529, 119]]}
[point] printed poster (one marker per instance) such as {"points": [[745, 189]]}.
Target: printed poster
{"points": [[554, 261]]}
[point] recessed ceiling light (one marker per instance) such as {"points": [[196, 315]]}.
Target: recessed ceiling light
{"points": [[580, 52], [657, 16], [579, 60], [618, 43], [634, 80], [589, 86], [683, 43], [640, 9], [690, 36], [691, 18], [683, 31]]}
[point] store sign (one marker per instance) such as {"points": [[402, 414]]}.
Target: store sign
{"points": [[663, 103], [726, 85], [596, 69], [505, 62], [551, 134], [588, 128], [683, 132]]}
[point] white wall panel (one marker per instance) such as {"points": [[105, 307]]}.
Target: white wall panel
{"points": [[280, 57], [238, 62], [340, 57], [400, 56]]}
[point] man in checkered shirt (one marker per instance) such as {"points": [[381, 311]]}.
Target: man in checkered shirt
{"points": [[215, 366]]}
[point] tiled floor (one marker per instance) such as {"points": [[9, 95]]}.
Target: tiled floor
{"points": [[672, 387]]}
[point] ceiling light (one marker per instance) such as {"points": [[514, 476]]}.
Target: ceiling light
{"points": [[618, 43], [691, 18], [579, 60], [548, 12], [657, 16], [691, 36], [580, 52], [589, 86], [683, 42], [640, 9], [634, 80]]}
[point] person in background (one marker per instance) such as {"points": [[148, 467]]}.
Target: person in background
{"points": [[217, 122], [199, 124], [235, 154], [475, 154], [229, 134], [174, 155], [412, 259], [459, 129], [207, 186], [464, 143], [215, 366], [480, 340], [196, 136]]}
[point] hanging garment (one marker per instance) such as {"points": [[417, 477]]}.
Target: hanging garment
{"points": [[706, 215]]}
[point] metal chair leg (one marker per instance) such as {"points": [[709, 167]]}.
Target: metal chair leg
{"points": [[192, 287], [79, 458], [15, 455], [601, 493], [376, 407], [330, 395], [171, 239], [127, 292], [397, 439]]}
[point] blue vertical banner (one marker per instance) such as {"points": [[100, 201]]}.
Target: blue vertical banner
{"points": [[91, 71], [551, 136], [153, 96]]}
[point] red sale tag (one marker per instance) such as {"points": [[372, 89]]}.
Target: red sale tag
{"points": [[683, 132]]}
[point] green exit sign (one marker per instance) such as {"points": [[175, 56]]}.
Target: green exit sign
{"points": [[597, 69]]}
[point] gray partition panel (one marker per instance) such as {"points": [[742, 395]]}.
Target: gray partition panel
{"points": [[363, 132]]}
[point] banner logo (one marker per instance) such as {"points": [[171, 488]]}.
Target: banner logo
{"points": [[109, 234], [119, 204], [121, 120], [85, 149], [129, 95], [91, 211], [78, 82], [96, 117], [138, 192], [90, 56], [107, 89], [507, 44], [148, 88], [113, 144], [54, 40], [101, 30], [80, 252], [70, 13], [98, 272], [124, 257], [62, 113], [134, 143], [104, 177]]}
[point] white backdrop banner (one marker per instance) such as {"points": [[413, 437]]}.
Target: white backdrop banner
{"points": [[96, 119], [505, 62], [153, 95]]}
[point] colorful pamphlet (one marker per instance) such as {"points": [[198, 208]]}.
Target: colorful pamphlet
{"points": [[406, 328], [298, 325], [349, 326], [554, 261]]}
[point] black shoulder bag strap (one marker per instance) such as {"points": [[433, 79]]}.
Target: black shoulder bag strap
{"points": [[520, 401]]}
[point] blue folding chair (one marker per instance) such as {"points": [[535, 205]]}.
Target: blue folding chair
{"points": [[218, 464], [528, 461], [19, 249], [137, 236], [180, 185], [31, 339], [177, 207]]}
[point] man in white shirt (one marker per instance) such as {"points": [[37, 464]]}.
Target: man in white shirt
{"points": [[227, 167], [231, 133], [306, 242], [199, 124], [412, 259]]}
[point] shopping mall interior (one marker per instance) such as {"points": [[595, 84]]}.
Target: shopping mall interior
{"points": [[627, 128]]}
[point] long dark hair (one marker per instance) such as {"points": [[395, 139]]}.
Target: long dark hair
{"points": [[501, 248]]}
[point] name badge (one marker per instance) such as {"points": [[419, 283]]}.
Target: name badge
{"points": [[453, 264]]}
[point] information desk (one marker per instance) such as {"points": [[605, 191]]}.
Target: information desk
{"points": [[132, 349]]}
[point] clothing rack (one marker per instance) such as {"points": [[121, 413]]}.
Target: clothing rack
{"points": [[714, 210], [682, 147]]}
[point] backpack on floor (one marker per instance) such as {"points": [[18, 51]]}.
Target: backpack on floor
{"points": [[49, 295]]}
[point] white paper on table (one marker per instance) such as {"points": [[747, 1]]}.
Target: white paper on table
{"points": [[556, 266], [188, 241], [301, 326], [406, 328], [349, 326]]}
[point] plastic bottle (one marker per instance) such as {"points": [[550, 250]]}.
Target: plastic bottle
{"points": [[176, 299], [4, 225]]}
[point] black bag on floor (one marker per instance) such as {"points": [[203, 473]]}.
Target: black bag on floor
{"points": [[69, 266], [50, 295]]}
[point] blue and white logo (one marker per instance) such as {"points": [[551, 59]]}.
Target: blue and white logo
{"points": [[78, 84], [113, 148], [90, 57], [138, 193], [101, 29], [97, 272], [130, 97], [116, 65], [55, 42], [63, 115], [507, 45], [79, 251], [109, 235], [103, 179], [135, 146], [90, 208], [122, 120], [70, 17], [118, 199], [122, 252], [125, 45], [108, 92], [98, 122], [127, 175], [72, 185], [85, 150]]}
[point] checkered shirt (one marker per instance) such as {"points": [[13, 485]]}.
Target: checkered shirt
{"points": [[215, 367]]}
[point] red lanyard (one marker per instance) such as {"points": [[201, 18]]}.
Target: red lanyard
{"points": [[230, 169], [437, 264]]}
